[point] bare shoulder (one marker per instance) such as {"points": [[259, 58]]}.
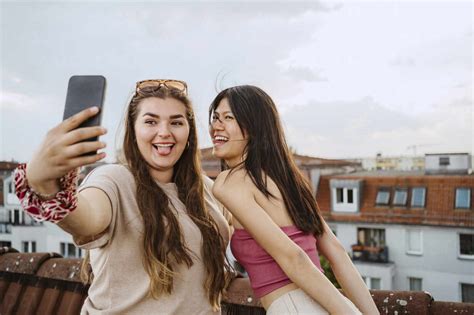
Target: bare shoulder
{"points": [[235, 182]]}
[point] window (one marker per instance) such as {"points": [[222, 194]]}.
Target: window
{"points": [[400, 198], [415, 284], [29, 246], [350, 196], [418, 197], [15, 217], [466, 245], [444, 161], [5, 228], [371, 237], [339, 195], [414, 242], [5, 244], [467, 293], [372, 283], [70, 250], [383, 197], [375, 283], [345, 194], [463, 198]]}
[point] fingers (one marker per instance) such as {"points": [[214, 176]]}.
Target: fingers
{"points": [[86, 160], [81, 148], [81, 134], [75, 120]]}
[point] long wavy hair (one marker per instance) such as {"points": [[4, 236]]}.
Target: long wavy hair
{"points": [[267, 153], [164, 251]]}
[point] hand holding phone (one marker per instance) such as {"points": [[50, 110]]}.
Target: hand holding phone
{"points": [[74, 142]]}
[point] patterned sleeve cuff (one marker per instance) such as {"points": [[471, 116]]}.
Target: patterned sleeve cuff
{"points": [[52, 210]]}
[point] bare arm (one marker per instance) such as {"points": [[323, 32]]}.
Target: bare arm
{"points": [[345, 272], [208, 184], [61, 152], [237, 195]]}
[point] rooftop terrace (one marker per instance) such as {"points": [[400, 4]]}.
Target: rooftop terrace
{"points": [[46, 283]]}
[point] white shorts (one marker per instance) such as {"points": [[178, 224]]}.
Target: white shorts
{"points": [[296, 302]]}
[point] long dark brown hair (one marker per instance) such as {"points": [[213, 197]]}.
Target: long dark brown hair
{"points": [[163, 251], [267, 151]]}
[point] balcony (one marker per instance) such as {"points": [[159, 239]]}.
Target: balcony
{"points": [[378, 254]]}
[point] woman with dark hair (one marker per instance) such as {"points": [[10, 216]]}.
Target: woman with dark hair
{"points": [[155, 236], [278, 228]]}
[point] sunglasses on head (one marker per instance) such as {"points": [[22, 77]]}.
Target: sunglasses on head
{"points": [[181, 86]]}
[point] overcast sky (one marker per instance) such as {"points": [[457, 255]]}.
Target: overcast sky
{"points": [[350, 78]]}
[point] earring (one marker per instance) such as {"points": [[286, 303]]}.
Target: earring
{"points": [[187, 145]]}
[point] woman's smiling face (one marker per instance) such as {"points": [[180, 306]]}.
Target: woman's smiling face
{"points": [[228, 139], [162, 132]]}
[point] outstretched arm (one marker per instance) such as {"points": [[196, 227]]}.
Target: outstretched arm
{"points": [[236, 192], [345, 272], [61, 152]]}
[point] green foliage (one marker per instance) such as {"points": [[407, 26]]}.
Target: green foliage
{"points": [[328, 271]]}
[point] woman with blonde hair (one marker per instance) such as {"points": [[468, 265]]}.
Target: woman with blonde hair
{"points": [[154, 233], [278, 228]]}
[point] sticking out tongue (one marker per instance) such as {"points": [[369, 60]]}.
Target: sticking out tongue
{"points": [[164, 150]]}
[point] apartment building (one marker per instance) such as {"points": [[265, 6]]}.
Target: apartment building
{"points": [[408, 230], [20, 231]]}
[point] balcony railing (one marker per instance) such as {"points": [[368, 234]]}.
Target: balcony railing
{"points": [[370, 253]]}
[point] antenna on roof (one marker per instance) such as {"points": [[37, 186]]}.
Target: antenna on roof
{"points": [[414, 147]]}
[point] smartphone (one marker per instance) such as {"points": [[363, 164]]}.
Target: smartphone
{"points": [[85, 91]]}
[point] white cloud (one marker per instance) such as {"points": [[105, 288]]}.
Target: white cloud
{"points": [[17, 101], [361, 128]]}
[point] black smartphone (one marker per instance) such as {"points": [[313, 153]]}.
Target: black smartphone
{"points": [[85, 91]]}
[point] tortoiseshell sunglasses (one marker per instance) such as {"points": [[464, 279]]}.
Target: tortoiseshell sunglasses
{"points": [[169, 84]]}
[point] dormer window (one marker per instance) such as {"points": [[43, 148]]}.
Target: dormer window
{"points": [[463, 198], [383, 197], [400, 198], [345, 195], [418, 197]]}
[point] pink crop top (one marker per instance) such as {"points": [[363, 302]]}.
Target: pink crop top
{"points": [[264, 272]]}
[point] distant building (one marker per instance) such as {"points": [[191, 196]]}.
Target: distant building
{"points": [[20, 231], [407, 230], [387, 163], [311, 167], [448, 163]]}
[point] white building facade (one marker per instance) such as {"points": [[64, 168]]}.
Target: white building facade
{"points": [[420, 258], [18, 230]]}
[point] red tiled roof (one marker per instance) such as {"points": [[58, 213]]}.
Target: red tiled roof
{"points": [[439, 200]]}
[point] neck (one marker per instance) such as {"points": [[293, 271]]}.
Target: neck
{"points": [[163, 177], [234, 162]]}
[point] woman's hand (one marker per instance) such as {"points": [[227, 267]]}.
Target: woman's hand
{"points": [[62, 151]]}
